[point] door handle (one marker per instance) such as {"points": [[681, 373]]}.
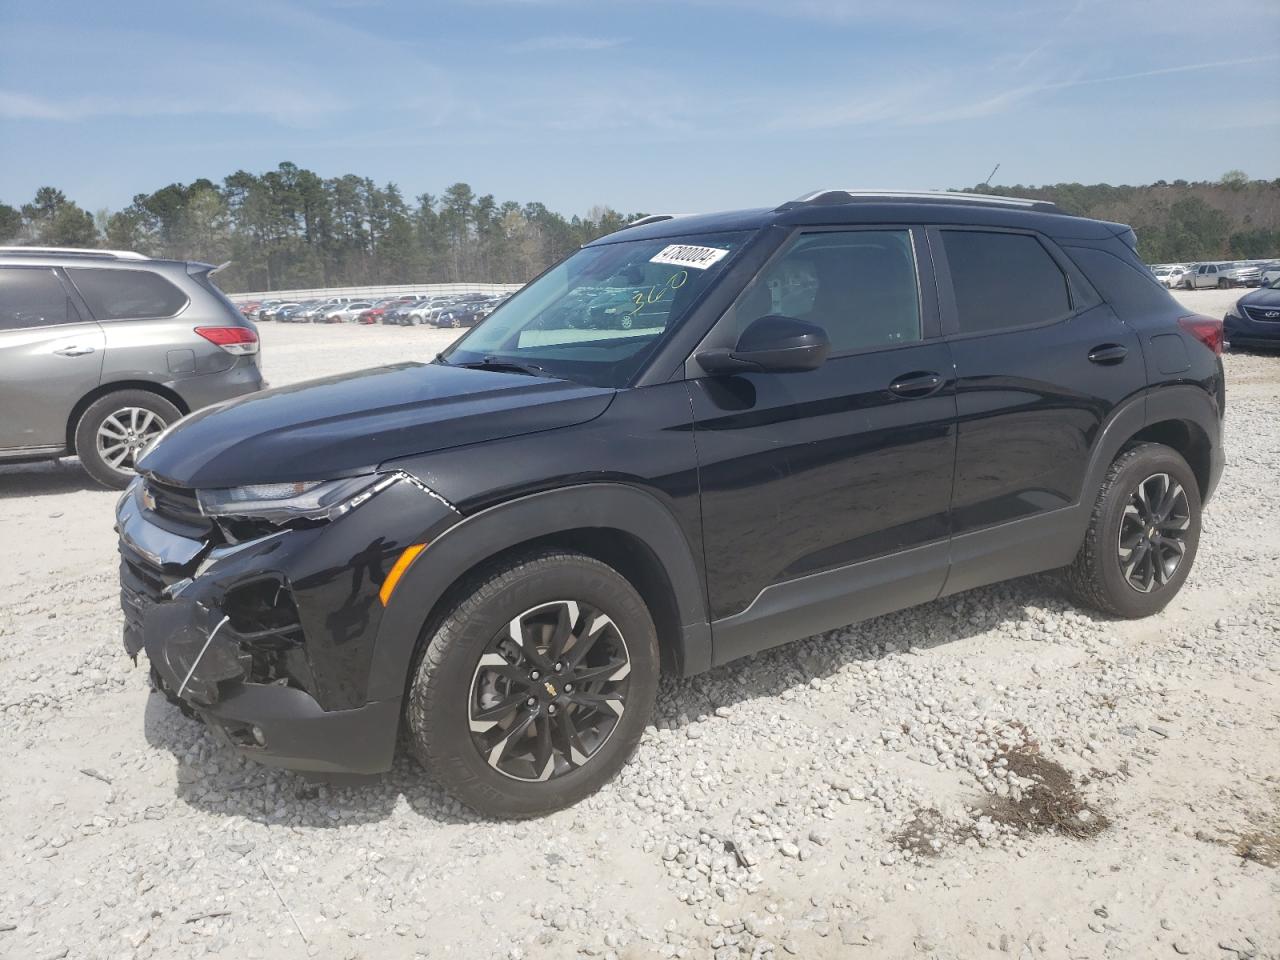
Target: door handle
{"points": [[75, 350], [1108, 354], [916, 385]]}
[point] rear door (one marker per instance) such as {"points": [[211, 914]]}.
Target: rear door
{"points": [[50, 357], [825, 494], [1040, 364]]}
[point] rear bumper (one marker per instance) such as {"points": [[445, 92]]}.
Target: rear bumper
{"points": [[241, 378]]}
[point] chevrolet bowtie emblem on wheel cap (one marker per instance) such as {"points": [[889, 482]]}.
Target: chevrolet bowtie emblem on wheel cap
{"points": [[550, 689]]}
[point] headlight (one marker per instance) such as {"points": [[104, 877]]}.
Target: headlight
{"points": [[281, 502]]}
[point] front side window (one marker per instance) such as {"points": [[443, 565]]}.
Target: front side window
{"points": [[858, 285], [1004, 280], [599, 315], [33, 297], [127, 294]]}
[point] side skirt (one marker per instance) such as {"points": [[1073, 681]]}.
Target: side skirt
{"points": [[833, 598]]}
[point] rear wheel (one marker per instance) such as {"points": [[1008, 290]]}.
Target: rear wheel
{"points": [[534, 689], [1143, 534], [115, 429]]}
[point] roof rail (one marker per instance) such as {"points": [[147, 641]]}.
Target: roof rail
{"points": [[824, 197], [655, 218], [73, 252]]}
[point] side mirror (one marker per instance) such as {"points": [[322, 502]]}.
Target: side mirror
{"points": [[773, 343]]}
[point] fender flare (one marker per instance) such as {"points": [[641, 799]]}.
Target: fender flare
{"points": [[482, 535], [1175, 402]]}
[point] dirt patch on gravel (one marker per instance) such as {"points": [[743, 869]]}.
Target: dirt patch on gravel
{"points": [[1052, 803]]}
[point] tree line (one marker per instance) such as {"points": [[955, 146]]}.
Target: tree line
{"points": [[290, 228], [1231, 218]]}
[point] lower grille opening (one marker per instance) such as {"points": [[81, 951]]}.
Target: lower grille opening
{"points": [[264, 619]]}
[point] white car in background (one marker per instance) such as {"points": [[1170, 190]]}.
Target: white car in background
{"points": [[346, 312]]}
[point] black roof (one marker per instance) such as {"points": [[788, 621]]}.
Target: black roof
{"points": [[838, 207]]}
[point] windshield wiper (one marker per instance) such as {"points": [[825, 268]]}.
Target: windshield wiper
{"points": [[498, 363]]}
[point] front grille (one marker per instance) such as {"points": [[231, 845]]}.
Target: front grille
{"points": [[1263, 314], [175, 509]]}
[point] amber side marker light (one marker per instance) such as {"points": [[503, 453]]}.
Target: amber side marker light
{"points": [[397, 571]]}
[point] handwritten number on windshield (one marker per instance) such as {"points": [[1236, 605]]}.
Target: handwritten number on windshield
{"points": [[658, 292]]}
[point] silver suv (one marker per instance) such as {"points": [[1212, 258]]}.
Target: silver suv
{"points": [[100, 351]]}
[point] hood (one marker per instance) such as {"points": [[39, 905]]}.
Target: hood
{"points": [[349, 424], [1262, 297]]}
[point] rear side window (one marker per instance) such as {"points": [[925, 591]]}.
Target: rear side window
{"points": [[127, 294], [33, 297], [1004, 280], [1130, 291]]}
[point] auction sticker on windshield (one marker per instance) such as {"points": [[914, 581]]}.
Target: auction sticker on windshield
{"points": [[686, 255]]}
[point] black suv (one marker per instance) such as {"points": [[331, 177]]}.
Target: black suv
{"points": [[811, 415]]}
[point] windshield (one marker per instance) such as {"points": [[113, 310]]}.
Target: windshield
{"points": [[596, 317]]}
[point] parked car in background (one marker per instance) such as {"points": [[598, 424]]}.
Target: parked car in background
{"points": [[1176, 274], [1270, 274], [249, 308], [265, 307], [465, 314], [1206, 276], [312, 312], [345, 312], [374, 313], [294, 313], [275, 312], [1162, 274], [1241, 273], [101, 351], [492, 558], [1254, 320], [399, 314]]}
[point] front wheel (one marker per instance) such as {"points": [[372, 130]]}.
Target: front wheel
{"points": [[1224, 283], [1142, 536], [534, 689], [115, 429]]}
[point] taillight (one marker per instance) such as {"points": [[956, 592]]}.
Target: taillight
{"points": [[236, 340], [1205, 329]]}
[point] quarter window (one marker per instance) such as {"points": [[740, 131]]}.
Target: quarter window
{"points": [[858, 285], [1004, 280], [33, 297], [127, 294]]}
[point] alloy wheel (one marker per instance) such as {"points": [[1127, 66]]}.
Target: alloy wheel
{"points": [[549, 691], [123, 435], [1153, 532]]}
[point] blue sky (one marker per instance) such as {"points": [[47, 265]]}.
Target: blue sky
{"points": [[642, 104]]}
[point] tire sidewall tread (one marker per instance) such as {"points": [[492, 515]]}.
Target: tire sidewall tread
{"points": [[1094, 578], [437, 728]]}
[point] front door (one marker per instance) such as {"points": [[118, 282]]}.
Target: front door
{"points": [[825, 494], [50, 357]]}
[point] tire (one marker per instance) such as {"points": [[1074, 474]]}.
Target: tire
{"points": [[124, 412], [449, 686], [1097, 577], [1224, 283]]}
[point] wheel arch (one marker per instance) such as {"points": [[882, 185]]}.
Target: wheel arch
{"points": [[623, 526], [1184, 417], [116, 386]]}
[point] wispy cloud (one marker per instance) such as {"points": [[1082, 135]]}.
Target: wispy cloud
{"points": [[567, 43]]}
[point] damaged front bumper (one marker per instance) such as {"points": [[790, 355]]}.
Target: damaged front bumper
{"points": [[269, 640]]}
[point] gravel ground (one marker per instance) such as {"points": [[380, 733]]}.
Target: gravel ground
{"points": [[994, 773]]}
